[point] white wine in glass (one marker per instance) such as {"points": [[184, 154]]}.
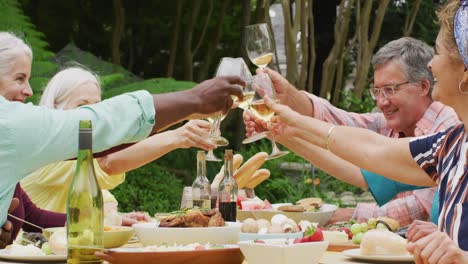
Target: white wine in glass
{"points": [[259, 44], [263, 87]]}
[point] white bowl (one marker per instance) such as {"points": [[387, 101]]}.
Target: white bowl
{"points": [[276, 251], [321, 217], [253, 236], [150, 234]]}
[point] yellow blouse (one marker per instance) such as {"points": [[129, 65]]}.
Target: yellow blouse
{"points": [[48, 186]]}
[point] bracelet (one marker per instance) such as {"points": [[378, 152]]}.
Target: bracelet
{"points": [[327, 144]]}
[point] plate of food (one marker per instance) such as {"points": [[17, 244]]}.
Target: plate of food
{"points": [[195, 253], [29, 253], [381, 245], [189, 226], [356, 254]]}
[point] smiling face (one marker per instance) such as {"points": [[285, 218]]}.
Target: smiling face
{"points": [[406, 107], [85, 94], [447, 68], [14, 84]]}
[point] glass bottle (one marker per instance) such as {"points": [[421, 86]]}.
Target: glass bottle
{"points": [[85, 216], [227, 190], [201, 187]]}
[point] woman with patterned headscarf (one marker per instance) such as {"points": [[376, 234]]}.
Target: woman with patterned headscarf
{"points": [[438, 159]]}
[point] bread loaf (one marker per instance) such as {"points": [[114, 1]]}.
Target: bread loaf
{"points": [[258, 177], [242, 175], [236, 162]]}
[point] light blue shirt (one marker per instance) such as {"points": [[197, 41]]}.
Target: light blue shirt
{"points": [[384, 190], [33, 136]]}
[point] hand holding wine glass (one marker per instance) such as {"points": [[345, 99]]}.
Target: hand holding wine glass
{"points": [[263, 88]]}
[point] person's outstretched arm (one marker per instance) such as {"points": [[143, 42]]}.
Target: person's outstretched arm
{"points": [[193, 134]]}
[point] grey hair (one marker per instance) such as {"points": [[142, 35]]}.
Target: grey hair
{"points": [[413, 55], [57, 92], [11, 46]]}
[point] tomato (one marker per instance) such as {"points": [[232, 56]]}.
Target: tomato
{"points": [[297, 240], [345, 229], [313, 234], [258, 241]]}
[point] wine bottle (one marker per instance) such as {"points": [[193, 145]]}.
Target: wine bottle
{"points": [[201, 187], [227, 190], [85, 216]]}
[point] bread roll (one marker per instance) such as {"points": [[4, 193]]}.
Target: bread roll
{"points": [[236, 162], [258, 177], [242, 175], [382, 242]]}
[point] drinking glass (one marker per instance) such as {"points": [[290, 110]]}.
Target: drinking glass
{"points": [[259, 44], [259, 47], [263, 87]]}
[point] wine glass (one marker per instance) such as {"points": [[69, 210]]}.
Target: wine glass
{"points": [[263, 87], [259, 47], [259, 44], [227, 66]]}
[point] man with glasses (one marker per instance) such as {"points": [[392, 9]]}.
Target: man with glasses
{"points": [[402, 90]]}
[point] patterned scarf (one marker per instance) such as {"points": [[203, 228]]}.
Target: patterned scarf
{"points": [[461, 31]]}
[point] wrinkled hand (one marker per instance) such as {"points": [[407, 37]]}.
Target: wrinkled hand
{"points": [[253, 124], [419, 229], [215, 94], [437, 247], [341, 214], [129, 219], [282, 87], [286, 121], [195, 133], [5, 231]]}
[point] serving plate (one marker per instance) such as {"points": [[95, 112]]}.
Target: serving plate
{"points": [[356, 254], [6, 254], [231, 254], [150, 234], [321, 217]]}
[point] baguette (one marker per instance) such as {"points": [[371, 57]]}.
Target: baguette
{"points": [[236, 162], [242, 175], [257, 178]]}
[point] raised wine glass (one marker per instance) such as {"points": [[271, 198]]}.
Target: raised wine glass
{"points": [[229, 66], [259, 47], [259, 44], [263, 86]]}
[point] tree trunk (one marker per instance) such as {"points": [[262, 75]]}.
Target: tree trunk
{"points": [[312, 53], [175, 39], [368, 45], [304, 43], [329, 71], [411, 17], [118, 30], [188, 53], [244, 22], [211, 50], [290, 39]]}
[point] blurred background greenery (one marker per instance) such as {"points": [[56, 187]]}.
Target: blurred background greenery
{"points": [[165, 46]]}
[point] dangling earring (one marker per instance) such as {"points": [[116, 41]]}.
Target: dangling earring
{"points": [[460, 88]]}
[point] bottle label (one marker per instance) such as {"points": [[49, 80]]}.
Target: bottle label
{"points": [[85, 138]]}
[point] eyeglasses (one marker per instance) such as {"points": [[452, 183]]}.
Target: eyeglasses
{"points": [[388, 91]]}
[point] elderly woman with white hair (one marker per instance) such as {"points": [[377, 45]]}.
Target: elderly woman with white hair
{"points": [[74, 87]]}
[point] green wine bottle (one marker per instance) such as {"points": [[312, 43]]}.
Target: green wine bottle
{"points": [[85, 216]]}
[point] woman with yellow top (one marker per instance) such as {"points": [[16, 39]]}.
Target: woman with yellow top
{"points": [[75, 87]]}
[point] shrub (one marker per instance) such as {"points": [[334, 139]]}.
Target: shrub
{"points": [[149, 188]]}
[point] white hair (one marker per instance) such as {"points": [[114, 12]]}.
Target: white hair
{"points": [[57, 92], [11, 46]]}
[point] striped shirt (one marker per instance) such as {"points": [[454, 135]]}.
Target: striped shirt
{"points": [[406, 206], [443, 156]]}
